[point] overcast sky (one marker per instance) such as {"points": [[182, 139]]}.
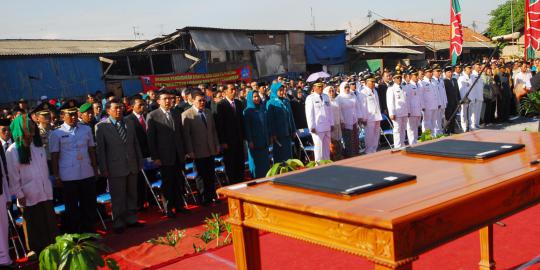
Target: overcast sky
{"points": [[115, 19]]}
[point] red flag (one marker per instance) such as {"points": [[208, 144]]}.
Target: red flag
{"points": [[456, 38], [532, 27]]}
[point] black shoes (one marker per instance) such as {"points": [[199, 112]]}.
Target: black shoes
{"points": [[136, 225]]}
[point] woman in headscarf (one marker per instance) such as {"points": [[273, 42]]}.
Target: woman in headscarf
{"points": [[256, 133], [29, 182], [349, 119], [280, 123], [335, 137]]}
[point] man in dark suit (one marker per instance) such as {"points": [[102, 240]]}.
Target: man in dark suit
{"points": [[138, 117], [166, 145], [230, 128], [120, 160], [453, 96], [381, 91], [202, 144]]}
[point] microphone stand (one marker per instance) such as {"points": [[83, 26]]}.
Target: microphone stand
{"points": [[462, 101]]}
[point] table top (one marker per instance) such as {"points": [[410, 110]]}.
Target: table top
{"points": [[440, 181]]}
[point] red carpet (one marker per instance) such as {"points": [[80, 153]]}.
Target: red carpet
{"points": [[516, 244]]}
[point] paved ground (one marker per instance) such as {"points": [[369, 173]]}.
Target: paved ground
{"points": [[519, 124]]}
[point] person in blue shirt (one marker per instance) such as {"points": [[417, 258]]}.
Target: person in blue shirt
{"points": [[256, 133], [280, 123]]}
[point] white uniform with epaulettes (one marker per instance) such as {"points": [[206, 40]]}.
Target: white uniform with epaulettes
{"points": [[370, 111], [416, 105], [320, 117], [430, 97], [396, 101]]}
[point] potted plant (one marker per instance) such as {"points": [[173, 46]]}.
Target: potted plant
{"points": [[293, 165], [75, 251], [530, 105]]}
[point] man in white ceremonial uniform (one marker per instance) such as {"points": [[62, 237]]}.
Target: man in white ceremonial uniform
{"points": [[464, 84], [430, 95], [415, 102], [476, 96], [443, 101], [398, 110], [370, 113], [5, 198], [320, 120]]}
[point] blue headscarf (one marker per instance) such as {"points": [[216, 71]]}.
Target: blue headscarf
{"points": [[249, 100], [275, 100], [274, 88]]}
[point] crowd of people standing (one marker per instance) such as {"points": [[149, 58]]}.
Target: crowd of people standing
{"points": [[70, 145]]}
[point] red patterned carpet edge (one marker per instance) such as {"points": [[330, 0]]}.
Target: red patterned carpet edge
{"points": [[132, 251], [515, 245]]}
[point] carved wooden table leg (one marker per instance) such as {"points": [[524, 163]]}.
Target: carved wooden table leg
{"points": [[407, 266], [246, 248], [486, 248], [245, 240]]}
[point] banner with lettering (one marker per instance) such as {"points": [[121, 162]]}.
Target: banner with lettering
{"points": [[175, 81]]}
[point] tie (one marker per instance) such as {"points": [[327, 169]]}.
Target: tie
{"points": [[201, 113], [169, 120], [121, 131], [233, 106], [142, 122]]}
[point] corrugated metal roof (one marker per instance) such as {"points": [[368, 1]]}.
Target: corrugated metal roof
{"points": [[221, 41], [14, 47], [371, 49], [269, 31]]}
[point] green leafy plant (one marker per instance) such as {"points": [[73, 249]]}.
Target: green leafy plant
{"points": [[215, 225], [285, 167], [530, 104], [171, 239], [293, 165], [76, 251], [198, 249], [428, 136], [312, 164]]}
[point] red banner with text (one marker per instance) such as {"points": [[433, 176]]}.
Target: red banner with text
{"points": [[175, 81]]}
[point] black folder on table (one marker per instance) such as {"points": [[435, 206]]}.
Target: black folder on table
{"points": [[343, 180], [464, 149]]}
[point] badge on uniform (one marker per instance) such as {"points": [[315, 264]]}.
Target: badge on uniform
{"points": [[65, 136], [79, 156], [327, 103]]}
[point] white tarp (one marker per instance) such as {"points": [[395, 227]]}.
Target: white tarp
{"points": [[221, 41], [269, 60]]}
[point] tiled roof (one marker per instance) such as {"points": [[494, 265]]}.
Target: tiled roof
{"points": [[426, 32], [12, 47]]}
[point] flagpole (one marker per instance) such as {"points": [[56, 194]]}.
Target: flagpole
{"points": [[463, 100]]}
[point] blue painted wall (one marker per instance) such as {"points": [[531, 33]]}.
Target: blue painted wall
{"points": [[51, 76], [132, 87]]}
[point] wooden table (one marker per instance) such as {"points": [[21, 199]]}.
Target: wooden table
{"points": [[393, 226]]}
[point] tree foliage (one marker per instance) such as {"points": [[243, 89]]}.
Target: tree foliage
{"points": [[500, 22]]}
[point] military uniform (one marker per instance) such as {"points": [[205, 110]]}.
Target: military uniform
{"points": [[370, 112], [398, 111], [443, 101], [477, 99], [320, 119], [465, 83], [72, 150], [43, 109], [430, 99], [415, 102]]}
